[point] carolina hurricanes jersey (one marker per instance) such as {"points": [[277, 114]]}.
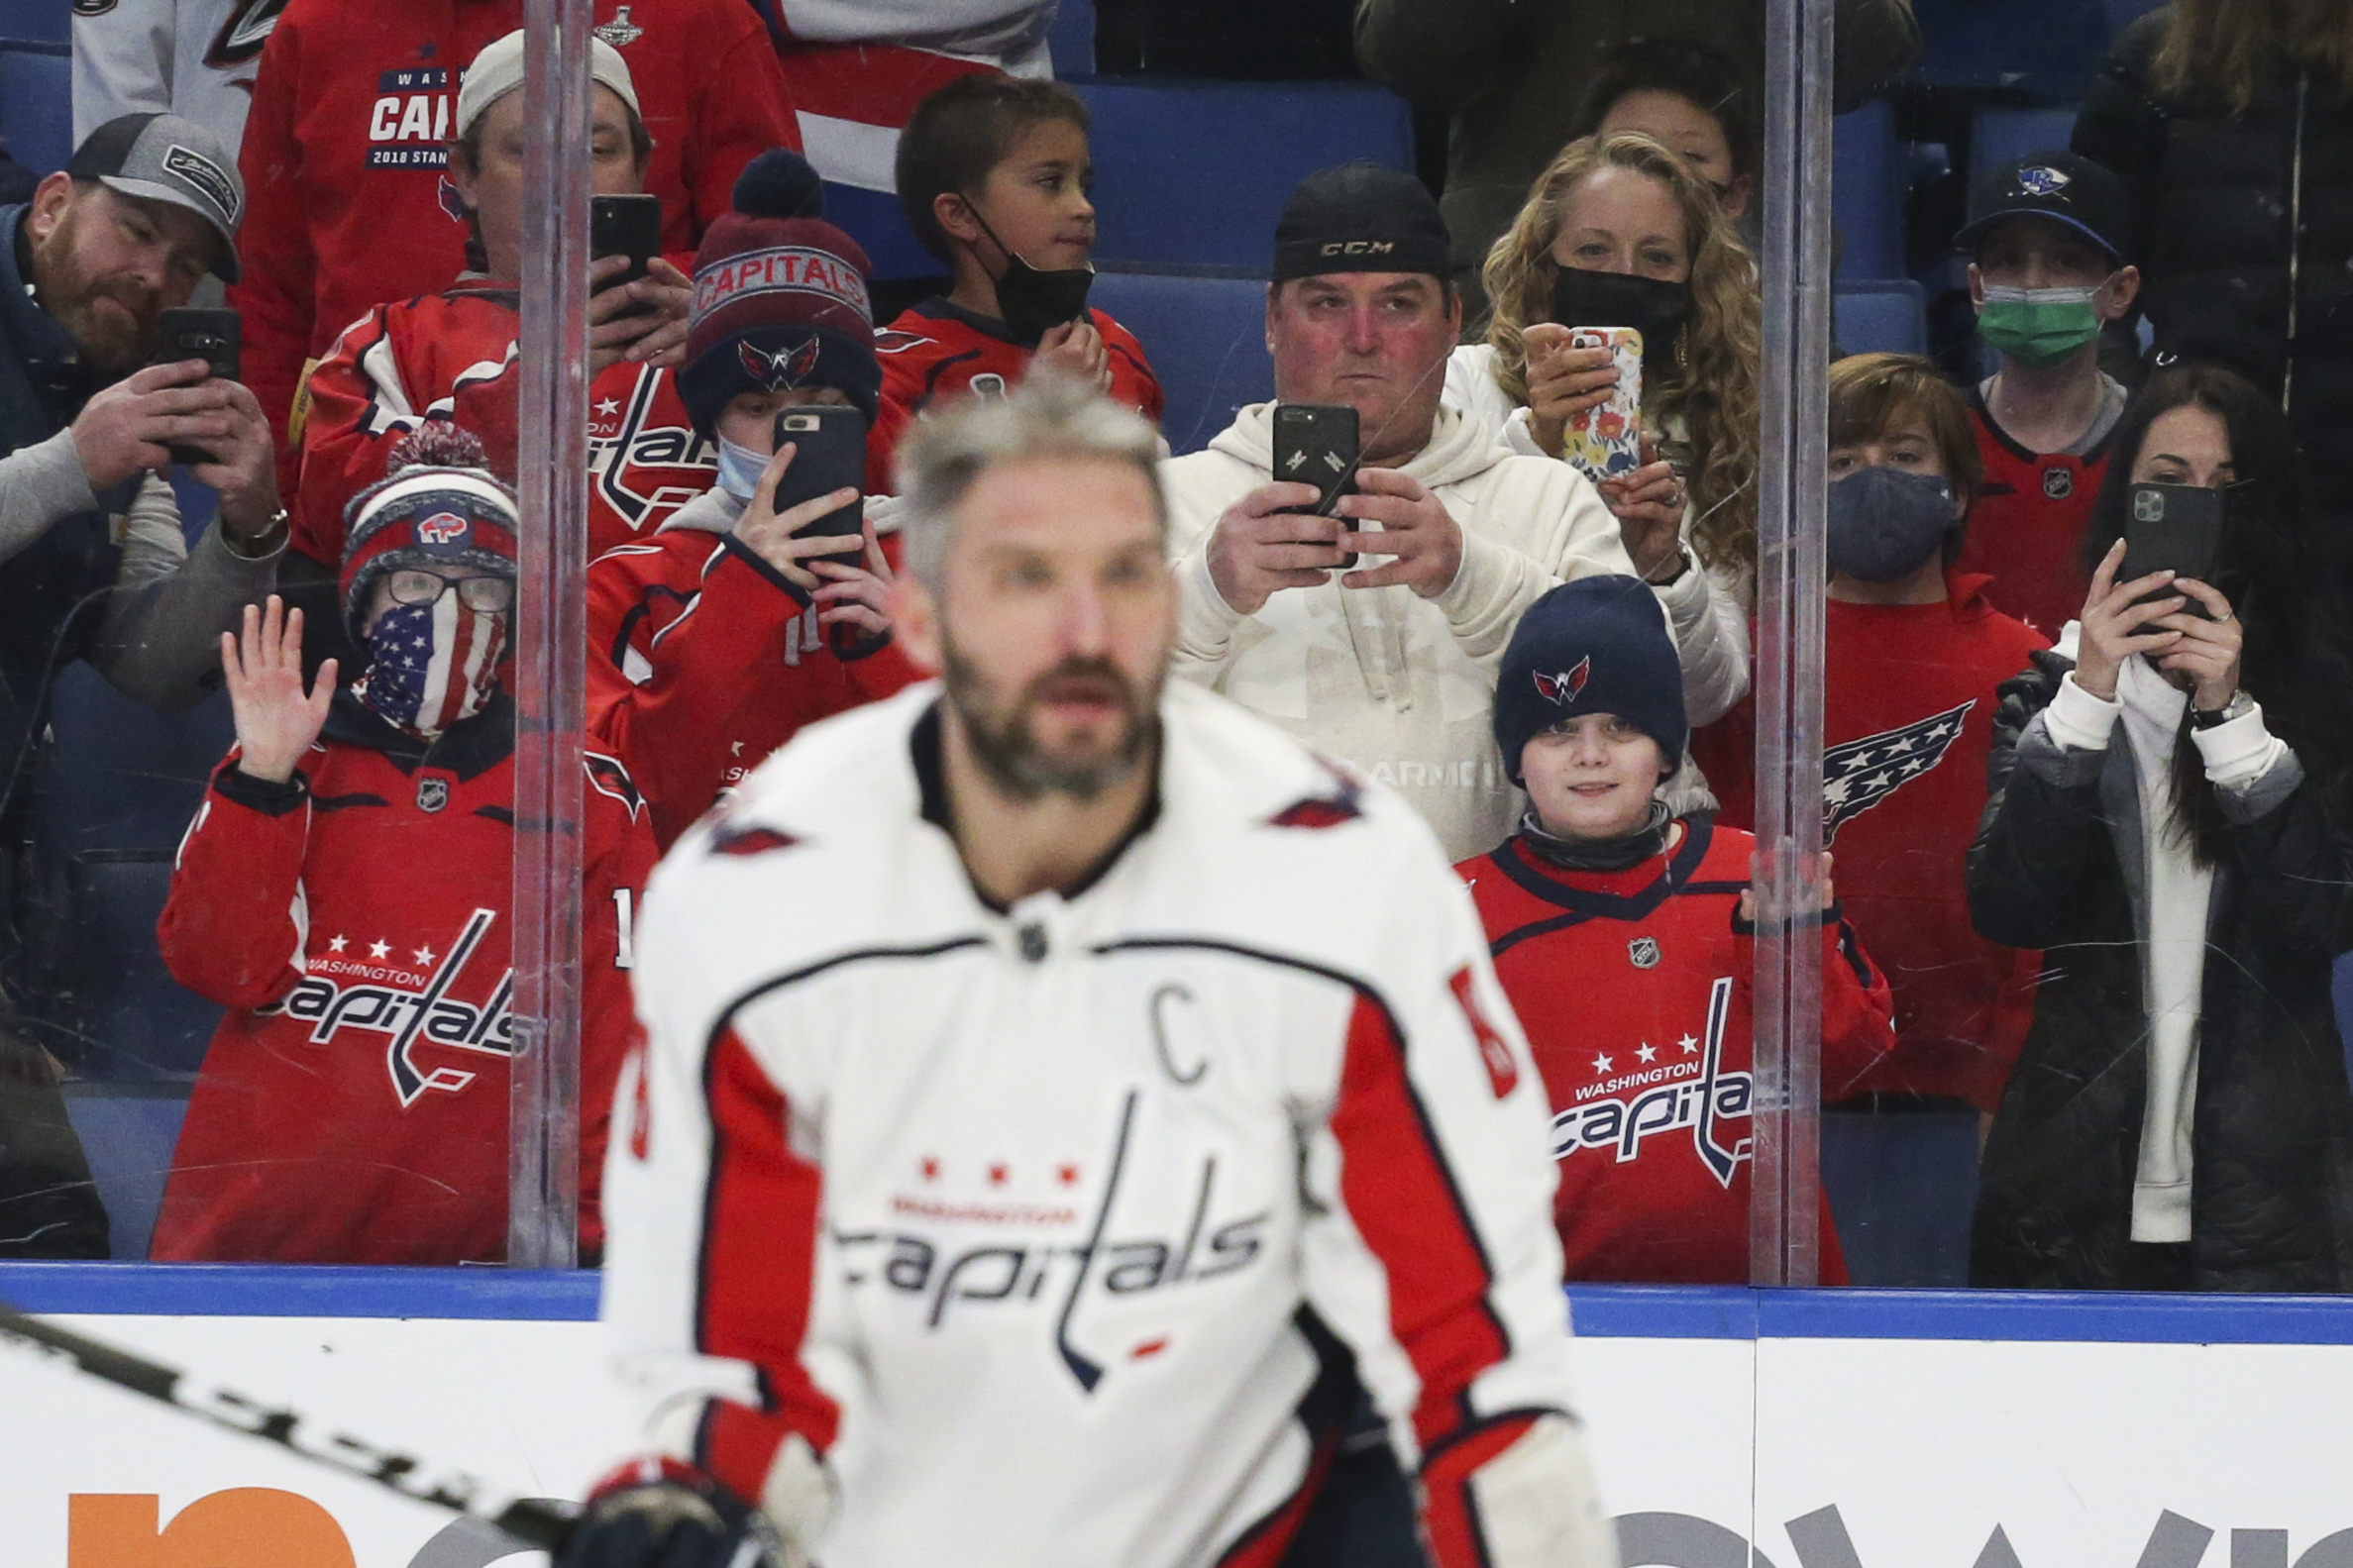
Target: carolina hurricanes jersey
{"points": [[345, 155], [936, 349], [195, 59], [1634, 987], [1908, 726], [704, 659], [2026, 527], [918, 1198], [353, 1105], [453, 355]]}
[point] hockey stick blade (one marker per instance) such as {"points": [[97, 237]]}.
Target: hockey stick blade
{"points": [[530, 1521]]}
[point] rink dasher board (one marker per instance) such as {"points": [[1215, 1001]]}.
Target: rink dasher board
{"points": [[1833, 1429]]}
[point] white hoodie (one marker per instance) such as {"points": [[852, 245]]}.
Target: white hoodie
{"points": [[1396, 684]]}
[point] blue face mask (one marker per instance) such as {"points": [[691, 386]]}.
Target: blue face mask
{"points": [[740, 468], [1884, 523]]}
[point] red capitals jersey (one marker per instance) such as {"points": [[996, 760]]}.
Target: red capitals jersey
{"points": [[345, 153], [2026, 527], [936, 349], [453, 355], [353, 1105], [1907, 725], [704, 659], [1634, 987]]}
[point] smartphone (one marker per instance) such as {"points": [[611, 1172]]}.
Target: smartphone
{"points": [[195, 332], [1605, 442], [1316, 443], [629, 226], [830, 442], [2175, 528]]}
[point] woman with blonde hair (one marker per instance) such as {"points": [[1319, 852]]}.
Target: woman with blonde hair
{"points": [[1621, 232]]}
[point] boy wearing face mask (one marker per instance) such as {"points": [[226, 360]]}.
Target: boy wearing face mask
{"points": [[343, 892], [1624, 938], [715, 640], [2046, 235], [1913, 652], [992, 173]]}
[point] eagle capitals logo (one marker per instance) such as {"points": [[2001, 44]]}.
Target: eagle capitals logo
{"points": [[243, 31], [781, 371], [2041, 179], [2057, 484], [1563, 688], [442, 528], [451, 203]]}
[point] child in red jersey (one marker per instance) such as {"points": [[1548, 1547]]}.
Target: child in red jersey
{"points": [[345, 891], [1625, 939], [993, 174]]}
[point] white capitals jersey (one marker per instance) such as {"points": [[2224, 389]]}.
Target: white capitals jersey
{"points": [[1030, 1238], [195, 59]]}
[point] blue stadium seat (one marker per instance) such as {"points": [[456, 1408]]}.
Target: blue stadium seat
{"points": [[128, 1130], [1870, 170], [123, 775], [2048, 48], [2123, 13], [1072, 41], [1902, 1185], [1206, 340], [37, 105], [1996, 135], [137, 1025], [1889, 316], [1193, 174], [37, 22]]}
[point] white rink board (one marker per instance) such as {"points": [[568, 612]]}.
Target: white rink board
{"points": [[1922, 1446]]}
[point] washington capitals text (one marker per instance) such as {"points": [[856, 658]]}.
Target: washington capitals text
{"points": [[428, 1013], [1696, 1094]]}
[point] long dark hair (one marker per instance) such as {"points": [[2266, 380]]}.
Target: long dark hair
{"points": [[2275, 571]]}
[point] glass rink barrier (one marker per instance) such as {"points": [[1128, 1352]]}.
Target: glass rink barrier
{"points": [[1865, 626]]}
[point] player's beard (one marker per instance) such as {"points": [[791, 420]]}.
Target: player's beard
{"points": [[1006, 747], [71, 294]]}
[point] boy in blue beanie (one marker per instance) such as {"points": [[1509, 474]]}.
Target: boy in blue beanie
{"points": [[1624, 938]]}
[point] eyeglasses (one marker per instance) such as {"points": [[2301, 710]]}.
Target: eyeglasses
{"points": [[487, 595]]}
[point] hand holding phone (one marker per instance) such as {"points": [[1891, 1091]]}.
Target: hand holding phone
{"points": [[210, 334], [1605, 442], [629, 226], [1317, 444], [2175, 528]]}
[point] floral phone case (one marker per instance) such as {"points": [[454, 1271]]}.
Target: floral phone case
{"points": [[1606, 440]]}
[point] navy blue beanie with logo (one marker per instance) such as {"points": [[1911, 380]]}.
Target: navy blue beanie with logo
{"points": [[1598, 645]]}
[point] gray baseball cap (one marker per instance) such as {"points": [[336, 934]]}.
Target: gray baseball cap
{"points": [[164, 157]]}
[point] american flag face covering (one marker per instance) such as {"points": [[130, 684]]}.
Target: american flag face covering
{"points": [[433, 663]]}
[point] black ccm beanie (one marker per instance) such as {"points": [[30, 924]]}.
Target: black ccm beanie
{"points": [[1360, 218]]}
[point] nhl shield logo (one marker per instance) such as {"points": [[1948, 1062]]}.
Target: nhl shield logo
{"points": [[2059, 483], [1644, 952], [434, 793]]}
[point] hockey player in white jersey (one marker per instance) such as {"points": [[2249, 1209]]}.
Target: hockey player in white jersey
{"points": [[1054, 1078]]}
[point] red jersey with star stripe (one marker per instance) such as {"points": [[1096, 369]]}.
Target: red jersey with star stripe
{"points": [[453, 355], [1907, 724], [1635, 990], [938, 350], [355, 922], [346, 152], [2026, 526], [704, 659]]}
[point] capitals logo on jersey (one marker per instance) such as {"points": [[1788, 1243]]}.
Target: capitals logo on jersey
{"points": [[1564, 688], [644, 459], [243, 31], [412, 1004], [1692, 1090], [783, 370], [1858, 775]]}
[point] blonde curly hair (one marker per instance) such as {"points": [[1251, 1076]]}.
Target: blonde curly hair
{"points": [[1715, 354]]}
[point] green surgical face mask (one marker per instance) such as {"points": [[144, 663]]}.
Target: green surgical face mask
{"points": [[2038, 327]]}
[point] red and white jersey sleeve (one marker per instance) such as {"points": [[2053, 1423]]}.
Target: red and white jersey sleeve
{"points": [[935, 350], [911, 1198]]}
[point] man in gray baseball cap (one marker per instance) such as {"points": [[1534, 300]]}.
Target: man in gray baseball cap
{"points": [[164, 157]]}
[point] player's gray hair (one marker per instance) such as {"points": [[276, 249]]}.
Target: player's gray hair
{"points": [[1046, 415]]}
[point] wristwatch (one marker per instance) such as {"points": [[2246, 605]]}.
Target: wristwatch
{"points": [[2238, 707], [1682, 564], [272, 535]]}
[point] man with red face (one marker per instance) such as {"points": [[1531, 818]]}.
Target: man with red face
{"points": [[1389, 663]]}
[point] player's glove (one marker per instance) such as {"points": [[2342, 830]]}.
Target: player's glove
{"points": [[659, 1513]]}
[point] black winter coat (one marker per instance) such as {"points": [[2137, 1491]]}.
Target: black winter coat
{"points": [[2215, 201], [2057, 866]]}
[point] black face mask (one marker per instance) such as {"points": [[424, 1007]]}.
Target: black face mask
{"points": [[1583, 298], [1031, 301]]}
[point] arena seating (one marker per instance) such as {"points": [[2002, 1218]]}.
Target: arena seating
{"points": [[128, 1130], [1870, 170], [1902, 1186], [1207, 338], [1999, 135], [2049, 49], [1889, 316], [35, 99]]}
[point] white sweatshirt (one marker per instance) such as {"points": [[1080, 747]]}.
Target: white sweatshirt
{"points": [[1397, 684]]}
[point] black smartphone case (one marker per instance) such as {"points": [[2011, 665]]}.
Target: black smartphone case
{"points": [[196, 332], [1317, 444], [629, 226], [830, 442]]}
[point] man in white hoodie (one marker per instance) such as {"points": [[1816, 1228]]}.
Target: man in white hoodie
{"points": [[1390, 664]]}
